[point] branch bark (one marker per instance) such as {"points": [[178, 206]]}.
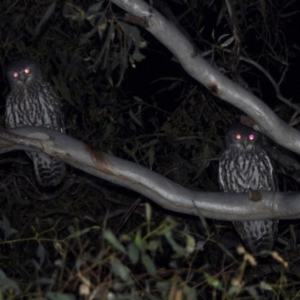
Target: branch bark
{"points": [[219, 85], [170, 195]]}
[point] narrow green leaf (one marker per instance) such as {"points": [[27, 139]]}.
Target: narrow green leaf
{"points": [[120, 270], [137, 55], [79, 233], [5, 225], [40, 253], [151, 143], [134, 118], [175, 246], [214, 282], [95, 7], [2, 274], [149, 264], [190, 293], [45, 18], [133, 253], [108, 130], [148, 210], [105, 47], [110, 237], [139, 240], [190, 244]]}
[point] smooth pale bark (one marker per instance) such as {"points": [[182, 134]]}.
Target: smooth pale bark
{"points": [[168, 194]]}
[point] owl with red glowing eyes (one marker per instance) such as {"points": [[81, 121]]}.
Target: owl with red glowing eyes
{"points": [[32, 101], [246, 166]]}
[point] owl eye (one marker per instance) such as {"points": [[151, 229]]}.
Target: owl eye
{"points": [[15, 74], [27, 71], [251, 137], [238, 136]]}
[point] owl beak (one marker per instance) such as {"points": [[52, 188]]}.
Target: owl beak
{"points": [[245, 143], [23, 77]]}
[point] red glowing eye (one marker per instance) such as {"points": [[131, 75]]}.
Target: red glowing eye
{"points": [[27, 71], [15, 74], [251, 137], [238, 136]]}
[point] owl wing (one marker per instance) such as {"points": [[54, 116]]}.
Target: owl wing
{"points": [[52, 107], [258, 235], [48, 170], [13, 114]]}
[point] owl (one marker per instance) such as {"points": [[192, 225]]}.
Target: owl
{"points": [[246, 166], [32, 101]]}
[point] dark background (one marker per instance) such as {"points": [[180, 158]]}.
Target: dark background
{"points": [[124, 93]]}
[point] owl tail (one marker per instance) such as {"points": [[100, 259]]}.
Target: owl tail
{"points": [[48, 170], [258, 236]]}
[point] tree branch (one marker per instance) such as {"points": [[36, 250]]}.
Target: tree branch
{"points": [[168, 194]]}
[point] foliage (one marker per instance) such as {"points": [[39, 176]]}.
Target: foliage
{"points": [[123, 93], [153, 261]]}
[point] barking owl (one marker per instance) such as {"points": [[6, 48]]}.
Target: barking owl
{"points": [[243, 166], [32, 101]]}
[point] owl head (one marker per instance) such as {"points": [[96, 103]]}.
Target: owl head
{"points": [[22, 72], [242, 137]]}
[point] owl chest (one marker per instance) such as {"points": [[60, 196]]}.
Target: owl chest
{"points": [[32, 109], [31, 113], [246, 170]]}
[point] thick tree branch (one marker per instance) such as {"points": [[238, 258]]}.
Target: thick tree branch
{"points": [[217, 83], [170, 195]]}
